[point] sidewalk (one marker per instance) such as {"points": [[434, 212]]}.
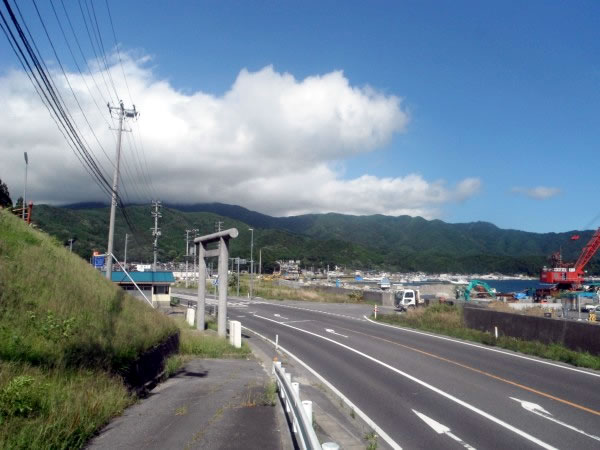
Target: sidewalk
{"points": [[210, 404]]}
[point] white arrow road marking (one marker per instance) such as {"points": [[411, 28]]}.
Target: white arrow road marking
{"points": [[329, 330], [538, 410], [280, 316], [441, 429]]}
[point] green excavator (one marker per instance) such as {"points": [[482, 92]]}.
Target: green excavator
{"points": [[480, 288]]}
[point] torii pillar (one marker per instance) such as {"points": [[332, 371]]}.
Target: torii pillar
{"points": [[222, 252]]}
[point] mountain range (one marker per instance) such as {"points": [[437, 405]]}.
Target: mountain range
{"points": [[402, 243]]}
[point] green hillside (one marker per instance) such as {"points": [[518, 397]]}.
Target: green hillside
{"points": [[364, 242], [64, 332], [90, 227]]}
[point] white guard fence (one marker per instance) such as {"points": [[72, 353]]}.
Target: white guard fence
{"points": [[299, 412]]}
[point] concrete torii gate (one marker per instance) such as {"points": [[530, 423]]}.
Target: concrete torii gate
{"points": [[222, 252]]}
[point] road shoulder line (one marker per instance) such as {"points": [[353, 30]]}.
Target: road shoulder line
{"points": [[345, 399]]}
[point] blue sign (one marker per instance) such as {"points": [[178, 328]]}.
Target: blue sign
{"points": [[99, 261], [215, 281], [338, 283]]}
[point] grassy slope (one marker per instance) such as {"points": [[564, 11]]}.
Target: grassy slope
{"points": [[63, 331]]}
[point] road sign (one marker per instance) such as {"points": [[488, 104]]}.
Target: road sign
{"points": [[240, 261], [215, 281], [98, 261]]}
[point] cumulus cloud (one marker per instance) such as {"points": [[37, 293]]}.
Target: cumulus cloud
{"points": [[538, 193], [271, 143]]}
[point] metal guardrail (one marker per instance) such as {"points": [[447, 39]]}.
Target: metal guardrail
{"points": [[300, 412]]}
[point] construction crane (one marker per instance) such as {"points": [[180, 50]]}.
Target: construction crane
{"points": [[568, 275]]}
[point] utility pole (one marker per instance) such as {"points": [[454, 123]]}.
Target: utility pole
{"points": [[156, 231], [218, 225], [195, 255], [187, 253], [71, 244], [125, 257], [260, 262], [238, 280], [251, 262], [122, 114]]}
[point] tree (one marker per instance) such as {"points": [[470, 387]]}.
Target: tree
{"points": [[5, 200], [19, 203]]}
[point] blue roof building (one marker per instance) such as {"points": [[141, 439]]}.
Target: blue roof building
{"points": [[156, 286]]}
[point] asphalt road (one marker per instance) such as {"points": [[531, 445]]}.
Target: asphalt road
{"points": [[427, 391]]}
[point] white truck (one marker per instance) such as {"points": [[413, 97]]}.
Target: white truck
{"points": [[408, 298]]}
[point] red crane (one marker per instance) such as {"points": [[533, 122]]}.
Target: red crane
{"points": [[569, 275]]}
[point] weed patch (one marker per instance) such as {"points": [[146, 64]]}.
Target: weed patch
{"points": [[270, 394], [207, 345]]}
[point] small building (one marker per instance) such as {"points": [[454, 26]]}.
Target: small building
{"points": [[156, 286]]}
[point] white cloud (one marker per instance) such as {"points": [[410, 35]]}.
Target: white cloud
{"points": [[270, 143], [538, 193]]}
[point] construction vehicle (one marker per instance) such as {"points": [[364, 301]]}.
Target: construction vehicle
{"points": [[569, 276], [408, 298], [482, 291]]}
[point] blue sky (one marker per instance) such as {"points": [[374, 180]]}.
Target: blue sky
{"points": [[505, 92]]}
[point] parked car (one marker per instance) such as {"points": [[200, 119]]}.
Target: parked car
{"points": [[588, 307]]}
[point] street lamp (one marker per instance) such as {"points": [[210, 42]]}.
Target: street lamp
{"points": [[25, 187], [251, 262]]}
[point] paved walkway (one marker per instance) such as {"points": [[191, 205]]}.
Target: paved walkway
{"points": [[211, 404]]}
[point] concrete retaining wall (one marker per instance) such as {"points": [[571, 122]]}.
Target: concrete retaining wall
{"points": [[145, 370], [580, 336]]}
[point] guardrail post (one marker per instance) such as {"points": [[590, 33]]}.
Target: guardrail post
{"points": [[307, 405], [276, 365], [282, 391]]}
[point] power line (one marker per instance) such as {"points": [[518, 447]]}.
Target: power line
{"points": [[105, 99], [101, 46], [77, 64], [68, 82], [47, 89], [117, 49], [94, 50], [43, 97]]}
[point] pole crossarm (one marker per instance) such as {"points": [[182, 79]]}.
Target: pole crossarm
{"points": [[231, 233]]}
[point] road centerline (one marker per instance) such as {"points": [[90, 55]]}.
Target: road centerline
{"points": [[482, 372]]}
